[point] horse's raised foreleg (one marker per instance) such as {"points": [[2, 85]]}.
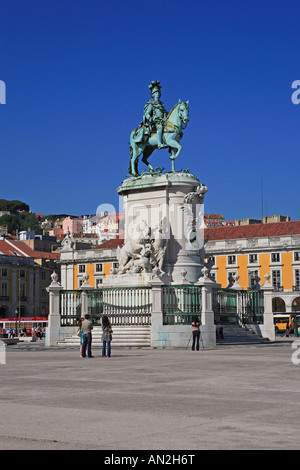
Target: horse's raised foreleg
{"points": [[175, 149]]}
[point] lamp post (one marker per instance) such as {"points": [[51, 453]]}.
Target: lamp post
{"points": [[18, 310], [16, 327], [19, 301]]}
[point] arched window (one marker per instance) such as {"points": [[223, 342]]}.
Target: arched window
{"points": [[296, 305], [278, 305]]}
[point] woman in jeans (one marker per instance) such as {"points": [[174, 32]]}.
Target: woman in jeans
{"points": [[106, 336]]}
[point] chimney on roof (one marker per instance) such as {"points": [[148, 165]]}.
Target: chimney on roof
{"points": [[273, 219], [248, 221]]}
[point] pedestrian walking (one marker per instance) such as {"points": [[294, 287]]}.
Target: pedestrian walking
{"points": [[106, 336], [87, 327], [196, 334]]}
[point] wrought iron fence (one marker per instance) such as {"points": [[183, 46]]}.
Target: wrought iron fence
{"points": [[70, 307], [227, 311], [252, 308], [224, 305], [181, 304], [123, 306]]}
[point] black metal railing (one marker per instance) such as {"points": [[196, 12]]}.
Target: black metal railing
{"points": [[181, 304], [224, 304], [252, 308], [123, 306]]}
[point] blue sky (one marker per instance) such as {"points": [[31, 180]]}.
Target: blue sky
{"points": [[77, 75]]}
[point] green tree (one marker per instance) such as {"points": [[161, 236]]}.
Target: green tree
{"points": [[11, 221], [13, 206]]}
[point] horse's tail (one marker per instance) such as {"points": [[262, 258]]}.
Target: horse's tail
{"points": [[131, 143]]}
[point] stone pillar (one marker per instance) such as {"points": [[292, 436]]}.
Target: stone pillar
{"points": [[236, 286], [2, 352], [52, 331], [208, 327], [157, 312], [85, 287], [268, 328]]}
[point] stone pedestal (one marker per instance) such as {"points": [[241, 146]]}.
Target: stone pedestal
{"points": [[53, 329], [268, 328], [128, 280], [208, 328], [162, 198]]}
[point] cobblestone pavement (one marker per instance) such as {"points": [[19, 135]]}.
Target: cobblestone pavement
{"points": [[231, 397]]}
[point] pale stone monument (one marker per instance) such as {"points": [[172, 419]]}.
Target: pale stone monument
{"points": [[163, 225], [164, 220]]}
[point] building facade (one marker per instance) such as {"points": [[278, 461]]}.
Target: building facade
{"points": [[251, 252], [248, 251], [96, 262], [24, 278], [105, 226]]}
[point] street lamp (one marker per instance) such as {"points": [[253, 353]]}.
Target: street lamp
{"points": [[16, 327], [18, 310]]}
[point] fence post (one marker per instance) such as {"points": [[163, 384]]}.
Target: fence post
{"points": [[208, 327], [85, 287], [268, 328], [52, 331], [157, 312], [236, 286]]}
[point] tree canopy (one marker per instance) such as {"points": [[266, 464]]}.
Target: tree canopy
{"points": [[13, 206]]}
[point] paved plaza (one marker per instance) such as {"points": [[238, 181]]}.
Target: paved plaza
{"points": [[231, 397]]}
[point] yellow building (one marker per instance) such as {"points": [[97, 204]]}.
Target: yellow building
{"points": [[96, 262], [24, 276], [248, 251], [251, 252]]}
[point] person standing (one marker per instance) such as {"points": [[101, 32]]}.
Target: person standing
{"points": [[87, 327], [106, 336], [80, 334], [196, 334]]}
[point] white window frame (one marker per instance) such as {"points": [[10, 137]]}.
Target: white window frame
{"points": [[253, 262], [250, 272], [298, 256], [79, 268], [295, 277], [276, 253], [280, 275], [230, 263], [99, 270]]}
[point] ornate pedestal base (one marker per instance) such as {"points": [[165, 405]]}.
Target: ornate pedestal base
{"points": [[166, 210]]}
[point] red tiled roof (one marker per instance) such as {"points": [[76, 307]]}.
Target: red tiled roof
{"points": [[252, 231], [84, 235], [214, 216], [113, 243], [18, 248]]}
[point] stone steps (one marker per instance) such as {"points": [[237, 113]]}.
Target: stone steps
{"points": [[123, 336], [234, 334], [139, 336]]}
